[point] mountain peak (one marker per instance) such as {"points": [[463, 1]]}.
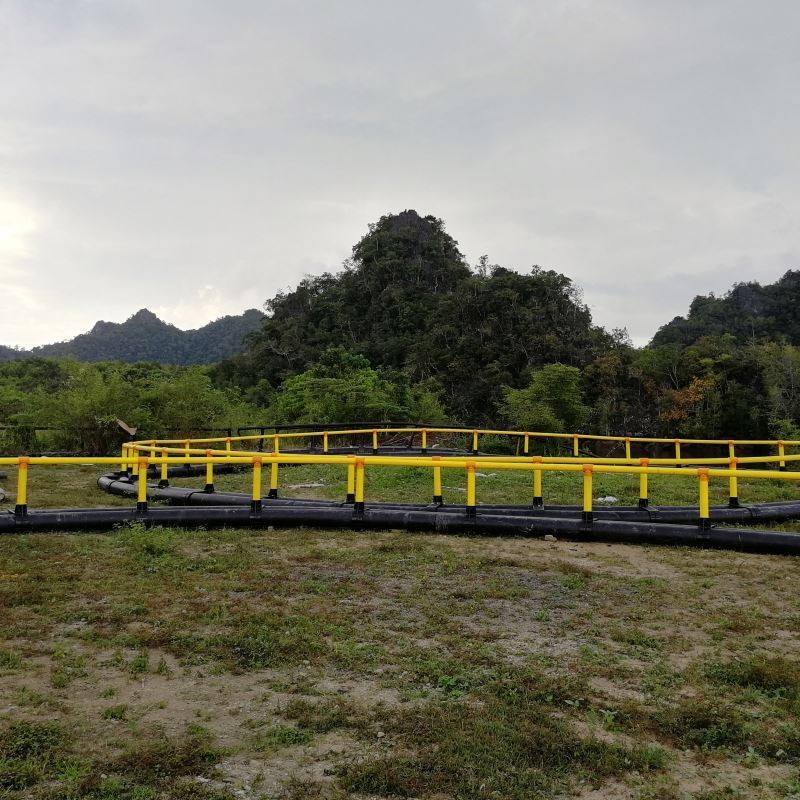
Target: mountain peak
{"points": [[144, 314]]}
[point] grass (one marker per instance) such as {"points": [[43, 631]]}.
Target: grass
{"points": [[304, 663], [41, 759]]}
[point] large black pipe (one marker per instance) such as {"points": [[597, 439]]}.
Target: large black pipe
{"points": [[431, 520], [778, 511]]}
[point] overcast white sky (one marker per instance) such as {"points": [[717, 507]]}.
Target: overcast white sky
{"points": [[196, 156]]}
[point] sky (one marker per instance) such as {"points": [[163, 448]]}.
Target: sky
{"points": [[196, 156]]}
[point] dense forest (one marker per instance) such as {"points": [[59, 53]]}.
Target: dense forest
{"points": [[144, 337], [407, 301], [407, 330]]}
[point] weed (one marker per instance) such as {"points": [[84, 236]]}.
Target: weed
{"points": [[634, 636], [148, 543], [499, 748], [68, 667], [119, 712], [277, 737], [29, 751], [773, 675], [158, 758], [270, 640], [326, 715], [139, 664], [9, 661]]}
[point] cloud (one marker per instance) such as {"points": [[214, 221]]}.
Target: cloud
{"points": [[645, 149]]}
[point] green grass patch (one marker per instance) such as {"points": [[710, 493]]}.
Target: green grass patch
{"points": [[506, 746], [774, 675], [277, 737], [29, 752]]}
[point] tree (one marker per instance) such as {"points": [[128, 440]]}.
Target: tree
{"points": [[343, 387], [408, 302], [551, 402]]}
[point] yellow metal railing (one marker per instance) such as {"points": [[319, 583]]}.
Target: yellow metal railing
{"points": [[138, 457]]}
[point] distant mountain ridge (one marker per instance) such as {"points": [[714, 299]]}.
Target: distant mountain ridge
{"points": [[145, 337], [749, 312]]}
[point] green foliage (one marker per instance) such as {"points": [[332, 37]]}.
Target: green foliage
{"points": [[343, 387], [408, 302], [551, 402], [27, 752], [509, 745], [84, 401], [276, 737], [749, 313]]}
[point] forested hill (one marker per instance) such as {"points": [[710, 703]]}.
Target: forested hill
{"points": [[408, 301], [749, 312], [144, 337]]}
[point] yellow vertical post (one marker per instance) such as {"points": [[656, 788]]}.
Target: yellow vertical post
{"points": [[276, 444], [733, 483], [21, 507], [325, 442], [677, 448], [437, 483], [141, 498], [273, 480], [527, 444], [164, 482], [255, 498], [575, 444], [587, 493], [781, 453], [374, 442], [702, 475], [358, 506], [628, 449], [643, 499], [186, 446], [538, 501], [209, 487], [471, 509], [474, 443], [733, 486], [133, 453], [351, 483], [228, 447], [424, 442]]}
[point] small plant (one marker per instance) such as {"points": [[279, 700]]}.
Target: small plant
{"points": [[277, 737], [119, 712], [29, 751], [774, 675], [139, 664], [9, 660], [68, 667]]}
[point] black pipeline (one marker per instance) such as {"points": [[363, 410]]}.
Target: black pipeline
{"points": [[779, 511], [431, 520]]}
